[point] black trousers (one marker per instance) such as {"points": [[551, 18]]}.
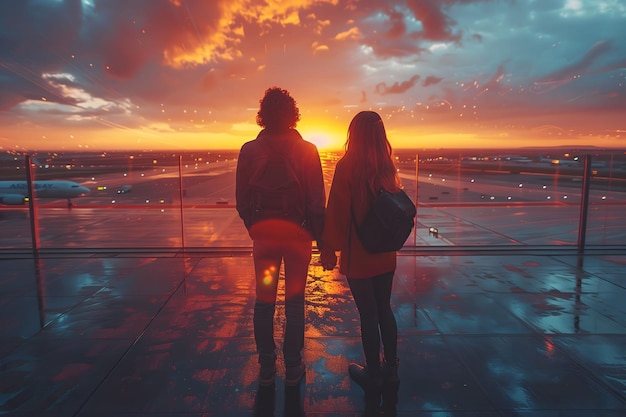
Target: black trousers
{"points": [[372, 298]]}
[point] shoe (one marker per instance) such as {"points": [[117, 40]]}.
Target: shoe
{"points": [[294, 374], [266, 375], [390, 371], [367, 378]]}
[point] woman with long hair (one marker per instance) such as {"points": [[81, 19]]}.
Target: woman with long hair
{"points": [[366, 168]]}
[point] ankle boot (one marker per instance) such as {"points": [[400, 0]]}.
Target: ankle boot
{"points": [[390, 371], [367, 377]]}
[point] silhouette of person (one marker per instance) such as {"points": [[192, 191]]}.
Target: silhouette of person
{"points": [[366, 167], [280, 196]]}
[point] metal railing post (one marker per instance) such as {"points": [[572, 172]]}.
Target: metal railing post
{"points": [[181, 195], [584, 209], [417, 161], [32, 206]]}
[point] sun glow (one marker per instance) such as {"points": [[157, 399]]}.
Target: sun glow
{"points": [[323, 140], [323, 133]]}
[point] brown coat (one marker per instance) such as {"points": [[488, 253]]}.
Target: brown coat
{"points": [[339, 232]]}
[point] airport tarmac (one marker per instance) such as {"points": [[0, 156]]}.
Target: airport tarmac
{"points": [[466, 208]]}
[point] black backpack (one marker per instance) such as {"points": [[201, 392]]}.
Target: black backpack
{"points": [[388, 223], [276, 188]]}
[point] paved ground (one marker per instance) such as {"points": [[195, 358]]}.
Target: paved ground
{"points": [[158, 334]]}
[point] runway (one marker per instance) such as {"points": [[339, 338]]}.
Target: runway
{"points": [[161, 211]]}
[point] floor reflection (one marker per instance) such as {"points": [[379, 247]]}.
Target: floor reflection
{"points": [[140, 334]]}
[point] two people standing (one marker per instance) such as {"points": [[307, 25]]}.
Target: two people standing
{"points": [[276, 163]]}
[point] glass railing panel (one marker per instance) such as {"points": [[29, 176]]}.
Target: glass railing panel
{"points": [[139, 200], [210, 218], [15, 231], [216, 227], [489, 198], [127, 205], [606, 220]]}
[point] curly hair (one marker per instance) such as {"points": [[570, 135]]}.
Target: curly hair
{"points": [[278, 110]]}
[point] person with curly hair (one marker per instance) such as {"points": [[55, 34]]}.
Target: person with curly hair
{"points": [[281, 199]]}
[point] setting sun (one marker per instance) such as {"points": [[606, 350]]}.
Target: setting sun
{"points": [[323, 140]]}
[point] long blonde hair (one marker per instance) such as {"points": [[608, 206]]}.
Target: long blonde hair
{"points": [[370, 157]]}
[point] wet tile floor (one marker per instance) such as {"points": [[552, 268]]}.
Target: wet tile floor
{"points": [[163, 335]]}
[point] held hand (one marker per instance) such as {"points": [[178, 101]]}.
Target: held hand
{"points": [[328, 259]]}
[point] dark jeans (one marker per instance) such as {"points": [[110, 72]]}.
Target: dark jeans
{"points": [[372, 298], [268, 256]]}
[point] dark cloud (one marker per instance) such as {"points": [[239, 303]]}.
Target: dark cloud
{"points": [[589, 66], [569, 72], [114, 39], [126, 35], [398, 27], [397, 88], [437, 25], [431, 80], [27, 48]]}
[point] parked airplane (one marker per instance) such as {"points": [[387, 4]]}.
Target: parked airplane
{"points": [[16, 192]]}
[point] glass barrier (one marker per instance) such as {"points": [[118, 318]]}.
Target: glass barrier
{"points": [[607, 215], [15, 230], [171, 200]]}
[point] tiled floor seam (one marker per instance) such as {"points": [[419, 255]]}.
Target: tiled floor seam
{"points": [[135, 341]]}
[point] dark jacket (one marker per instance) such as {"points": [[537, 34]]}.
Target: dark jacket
{"points": [[305, 161]]}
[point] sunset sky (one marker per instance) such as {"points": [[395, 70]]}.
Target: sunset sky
{"points": [[188, 74]]}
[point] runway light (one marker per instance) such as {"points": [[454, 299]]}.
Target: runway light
{"points": [[565, 197], [147, 201], [509, 198], [549, 197], [112, 201], [520, 185], [604, 197], [472, 180], [125, 174], [544, 187], [433, 231], [492, 198]]}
